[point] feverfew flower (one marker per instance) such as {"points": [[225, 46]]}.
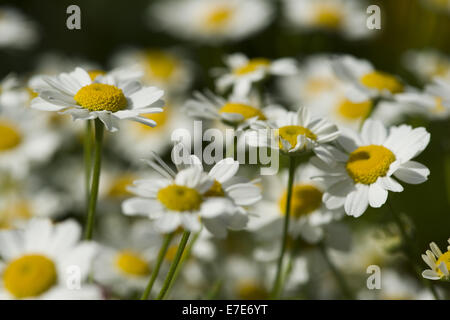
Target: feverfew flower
{"points": [[427, 64], [11, 93], [241, 72], [364, 81], [37, 262], [347, 17], [111, 97], [16, 31], [438, 262], [360, 174], [211, 20]]}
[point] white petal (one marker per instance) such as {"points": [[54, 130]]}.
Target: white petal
{"points": [[224, 170], [412, 172], [168, 222], [377, 195], [357, 201]]}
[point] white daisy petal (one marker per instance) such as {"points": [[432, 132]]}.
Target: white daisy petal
{"points": [[412, 172]]}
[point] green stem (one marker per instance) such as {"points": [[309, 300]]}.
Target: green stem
{"points": [[87, 158], [161, 254], [214, 290], [337, 274], [277, 287], [408, 242], [95, 179], [173, 266]]}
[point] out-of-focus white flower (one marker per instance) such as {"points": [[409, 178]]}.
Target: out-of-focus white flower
{"points": [[39, 261], [364, 81], [308, 213], [360, 173], [112, 97], [438, 262], [427, 64], [16, 31], [211, 20], [347, 17], [12, 95], [241, 72], [167, 69]]}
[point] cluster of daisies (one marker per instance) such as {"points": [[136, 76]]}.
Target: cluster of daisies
{"points": [[125, 222]]}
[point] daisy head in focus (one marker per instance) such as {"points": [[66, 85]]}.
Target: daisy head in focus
{"points": [[360, 171], [110, 97], [16, 30], [191, 197], [167, 69], [211, 21], [346, 17], [438, 262], [308, 213], [242, 72], [364, 82], [291, 132], [38, 260]]}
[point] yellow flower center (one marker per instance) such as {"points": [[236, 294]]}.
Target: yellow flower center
{"points": [[445, 258], [29, 276], [218, 17], [132, 263], [216, 190], [305, 199], [10, 136], [243, 109], [93, 74], [318, 85], [328, 17], [439, 107], [16, 210], [354, 111], [101, 97], [252, 66], [180, 198], [31, 93], [118, 188], [160, 65], [250, 290], [366, 164], [290, 134], [381, 81]]}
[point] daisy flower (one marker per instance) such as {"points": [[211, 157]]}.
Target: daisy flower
{"points": [[361, 173], [364, 81], [427, 64], [438, 262], [178, 199], [37, 262], [241, 72], [11, 93], [110, 98], [429, 103], [166, 69], [24, 140], [211, 21], [291, 132], [308, 212], [16, 31], [347, 17]]}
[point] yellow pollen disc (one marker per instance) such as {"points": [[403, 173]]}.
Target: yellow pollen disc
{"points": [[215, 191], [132, 263], [32, 94], [12, 212], [252, 65], [101, 97], [290, 134], [218, 17], [29, 276], [328, 17], [366, 164], [250, 290], [93, 74], [243, 109], [381, 81], [118, 188], [439, 107], [160, 118], [305, 199], [354, 111], [180, 198], [10, 136], [160, 65], [445, 257]]}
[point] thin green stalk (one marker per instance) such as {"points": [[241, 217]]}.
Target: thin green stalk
{"points": [[277, 286], [173, 266], [340, 279], [212, 294], [87, 158], [411, 251], [95, 179], [161, 254]]}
